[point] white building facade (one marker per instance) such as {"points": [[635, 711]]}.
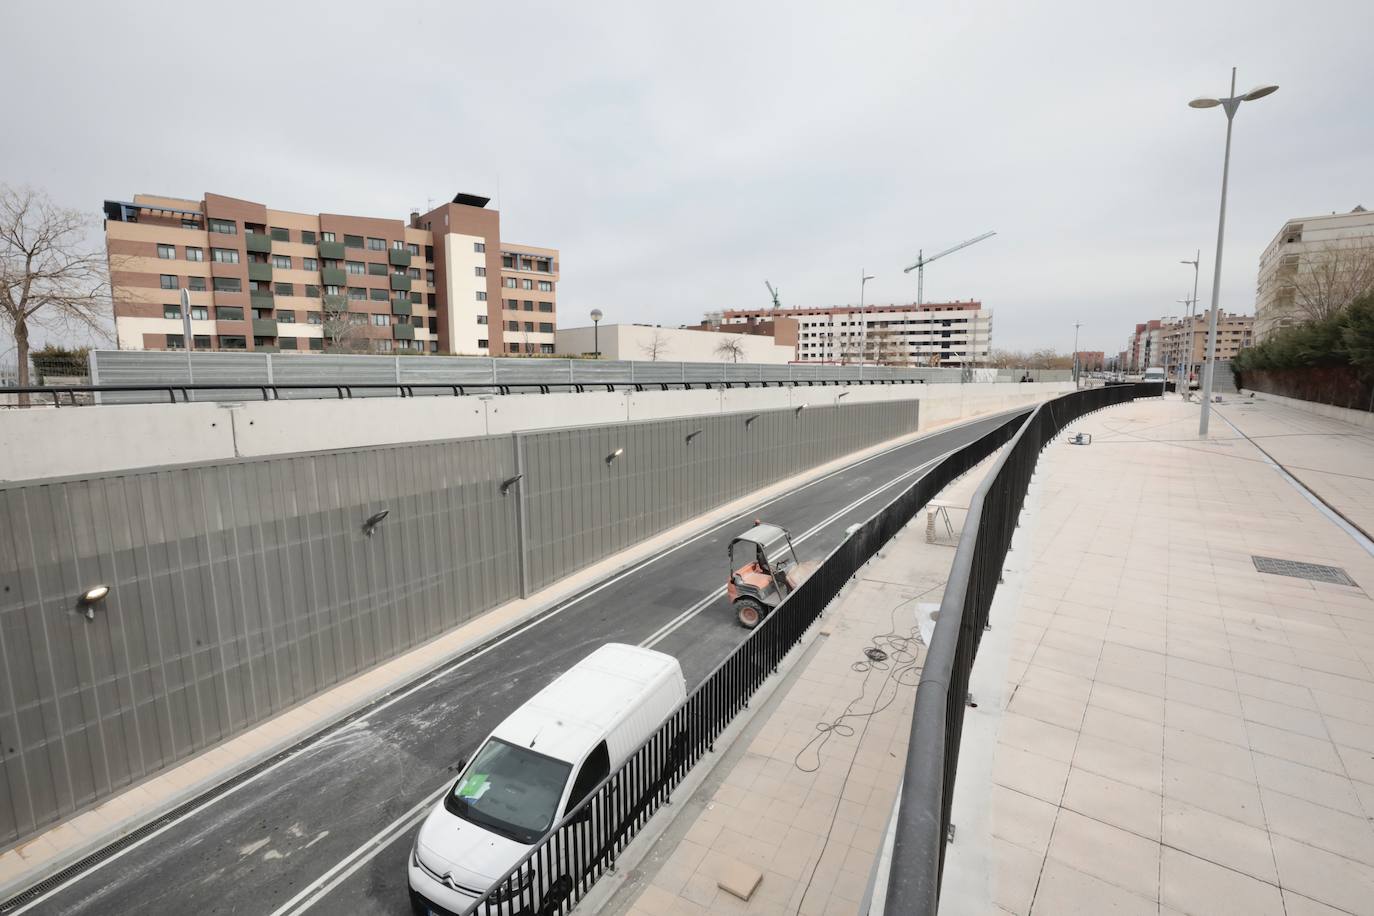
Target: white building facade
{"points": [[1314, 261]]}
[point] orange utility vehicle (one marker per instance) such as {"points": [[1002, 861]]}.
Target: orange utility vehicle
{"points": [[763, 571]]}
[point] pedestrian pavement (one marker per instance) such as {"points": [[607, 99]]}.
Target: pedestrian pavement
{"points": [[1173, 730]]}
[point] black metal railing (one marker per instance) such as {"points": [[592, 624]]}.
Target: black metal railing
{"points": [[923, 816], [79, 395], [563, 866]]}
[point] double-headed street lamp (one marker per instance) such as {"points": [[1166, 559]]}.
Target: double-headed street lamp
{"points": [[863, 328], [1229, 105], [1186, 368]]}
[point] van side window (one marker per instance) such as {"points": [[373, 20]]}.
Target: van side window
{"points": [[596, 768]]}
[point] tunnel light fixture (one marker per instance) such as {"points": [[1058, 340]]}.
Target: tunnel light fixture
{"points": [[842, 394], [692, 435], [749, 421], [373, 521], [90, 598], [510, 482], [610, 459], [800, 408]]}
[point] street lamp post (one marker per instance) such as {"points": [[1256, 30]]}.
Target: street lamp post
{"points": [[1192, 304], [1229, 105], [1076, 326], [863, 319], [596, 333]]}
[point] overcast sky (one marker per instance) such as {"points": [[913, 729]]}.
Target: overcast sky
{"points": [[679, 155]]}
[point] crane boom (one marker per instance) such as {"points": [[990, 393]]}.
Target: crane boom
{"points": [[772, 292], [922, 261]]}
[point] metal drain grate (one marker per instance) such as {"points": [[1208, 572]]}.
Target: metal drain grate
{"points": [[1298, 570]]}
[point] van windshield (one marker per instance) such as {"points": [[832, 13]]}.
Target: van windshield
{"points": [[510, 790]]}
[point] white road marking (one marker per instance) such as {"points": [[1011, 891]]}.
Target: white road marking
{"points": [[449, 669]]}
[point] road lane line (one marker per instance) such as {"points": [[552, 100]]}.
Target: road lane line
{"points": [[447, 669]]}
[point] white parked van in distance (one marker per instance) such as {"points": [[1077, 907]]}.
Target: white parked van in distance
{"points": [[535, 768], [1154, 374]]}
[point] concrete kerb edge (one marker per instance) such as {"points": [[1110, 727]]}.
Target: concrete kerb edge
{"points": [[191, 791]]}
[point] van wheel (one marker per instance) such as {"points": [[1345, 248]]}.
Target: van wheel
{"points": [[552, 903], [749, 612]]}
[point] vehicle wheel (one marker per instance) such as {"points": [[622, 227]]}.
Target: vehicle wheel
{"points": [[553, 900], [749, 612]]}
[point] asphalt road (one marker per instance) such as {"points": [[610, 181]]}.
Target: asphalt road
{"points": [[328, 829]]}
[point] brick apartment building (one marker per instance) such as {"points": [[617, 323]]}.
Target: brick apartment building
{"points": [[930, 334], [275, 280]]}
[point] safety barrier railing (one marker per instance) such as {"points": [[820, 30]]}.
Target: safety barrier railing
{"points": [[923, 814], [562, 867], [79, 395]]}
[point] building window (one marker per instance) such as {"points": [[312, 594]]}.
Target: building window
{"points": [[356, 268], [189, 223], [513, 348], [332, 291], [413, 273], [546, 286], [224, 255], [413, 248], [546, 327], [171, 311], [508, 283], [167, 252], [397, 245], [376, 270], [314, 318], [479, 247], [307, 237], [317, 343], [429, 276], [529, 305], [512, 325], [168, 281], [527, 284], [481, 271], [224, 226], [353, 241], [195, 254], [546, 306], [357, 292], [260, 342], [378, 295], [280, 234], [262, 313], [284, 289], [228, 313], [546, 348], [415, 297], [481, 295], [429, 253], [202, 341], [508, 261], [195, 284], [199, 313], [482, 344], [282, 261], [286, 343], [529, 326], [376, 244], [384, 346], [176, 342], [309, 264], [481, 319], [326, 236], [381, 321], [312, 291]]}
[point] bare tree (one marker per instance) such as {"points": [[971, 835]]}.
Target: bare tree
{"points": [[1327, 280], [730, 348], [343, 332], [655, 347], [48, 278]]}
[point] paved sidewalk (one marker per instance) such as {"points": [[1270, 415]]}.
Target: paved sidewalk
{"points": [[805, 807], [1184, 733], [1333, 458]]}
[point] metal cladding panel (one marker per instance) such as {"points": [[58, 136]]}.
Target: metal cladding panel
{"points": [[236, 591], [537, 371], [604, 371]]}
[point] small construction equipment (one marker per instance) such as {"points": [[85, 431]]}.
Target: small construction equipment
{"points": [[763, 571]]}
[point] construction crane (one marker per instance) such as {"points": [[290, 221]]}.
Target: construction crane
{"points": [[774, 293], [922, 261]]}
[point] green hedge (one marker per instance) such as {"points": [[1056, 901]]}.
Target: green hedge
{"points": [[1344, 339]]}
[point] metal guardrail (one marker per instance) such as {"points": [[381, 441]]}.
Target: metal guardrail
{"points": [[344, 390], [923, 816], [563, 866]]}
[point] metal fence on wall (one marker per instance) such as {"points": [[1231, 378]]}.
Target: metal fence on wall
{"points": [[240, 589], [923, 815]]}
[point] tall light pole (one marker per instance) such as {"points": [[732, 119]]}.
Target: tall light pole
{"points": [[863, 318], [596, 332], [1192, 304], [1229, 105], [1076, 326]]}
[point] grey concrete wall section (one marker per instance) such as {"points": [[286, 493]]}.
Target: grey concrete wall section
{"points": [[241, 588]]}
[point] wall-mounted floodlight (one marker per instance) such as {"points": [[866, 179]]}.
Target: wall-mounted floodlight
{"points": [[614, 455], [842, 394], [800, 408], [373, 521], [90, 598], [509, 482], [750, 420], [692, 435]]}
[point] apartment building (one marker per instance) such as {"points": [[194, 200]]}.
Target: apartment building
{"points": [[1184, 341], [1144, 347], [1314, 264], [277, 280], [930, 334]]}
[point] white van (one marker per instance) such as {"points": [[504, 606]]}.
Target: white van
{"points": [[1154, 374], [536, 767]]}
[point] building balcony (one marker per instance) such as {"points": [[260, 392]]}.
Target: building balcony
{"points": [[264, 327], [400, 281], [259, 242], [334, 276], [399, 257], [262, 300], [260, 272], [403, 331], [400, 307], [334, 251]]}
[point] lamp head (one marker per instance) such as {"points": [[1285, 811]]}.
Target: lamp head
{"points": [[596, 314], [1204, 103], [1259, 92]]}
